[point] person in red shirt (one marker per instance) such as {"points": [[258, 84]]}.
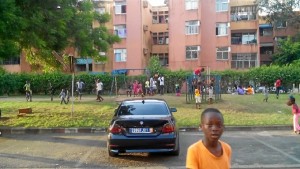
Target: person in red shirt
{"points": [[278, 86]]}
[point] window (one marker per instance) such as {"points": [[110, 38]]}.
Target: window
{"points": [[248, 38], [160, 17], [239, 13], [281, 24], [221, 29], [222, 53], [192, 27], [279, 39], [100, 10], [192, 52], [266, 32], [120, 55], [243, 38], [160, 38], [243, 60], [10, 61], [120, 30], [191, 4], [120, 7], [221, 5], [163, 58], [266, 50]]}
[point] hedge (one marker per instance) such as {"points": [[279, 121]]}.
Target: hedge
{"points": [[12, 83]]}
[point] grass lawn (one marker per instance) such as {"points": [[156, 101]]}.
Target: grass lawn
{"points": [[237, 110]]}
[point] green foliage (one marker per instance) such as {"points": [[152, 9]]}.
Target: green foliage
{"points": [[279, 12], [45, 28], [287, 52], [12, 83], [155, 67], [10, 26]]}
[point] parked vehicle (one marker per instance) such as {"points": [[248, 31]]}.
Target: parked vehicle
{"points": [[143, 125]]}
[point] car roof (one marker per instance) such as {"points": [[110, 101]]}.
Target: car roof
{"points": [[152, 100]]}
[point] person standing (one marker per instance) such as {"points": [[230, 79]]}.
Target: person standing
{"points": [[135, 88], [129, 89], [28, 90], [266, 94], [197, 98], [210, 152], [151, 86], [79, 85], [147, 87], [51, 90], [62, 96], [210, 94], [296, 114], [99, 90], [140, 89], [67, 95], [278, 86], [161, 80]]}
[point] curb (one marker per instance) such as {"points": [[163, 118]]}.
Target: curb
{"points": [[23, 130]]}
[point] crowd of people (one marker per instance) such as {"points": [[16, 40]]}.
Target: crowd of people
{"points": [[153, 85]]}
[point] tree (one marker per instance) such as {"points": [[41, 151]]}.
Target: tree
{"points": [[51, 26], [287, 52], [155, 66], [278, 11], [10, 28]]}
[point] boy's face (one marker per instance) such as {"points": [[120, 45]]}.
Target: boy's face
{"points": [[212, 126]]}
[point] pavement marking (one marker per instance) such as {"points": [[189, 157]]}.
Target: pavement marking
{"points": [[277, 149], [83, 158]]}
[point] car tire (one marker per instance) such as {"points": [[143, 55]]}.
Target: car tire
{"points": [[110, 153], [176, 152]]}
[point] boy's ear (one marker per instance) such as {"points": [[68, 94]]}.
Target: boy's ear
{"points": [[200, 126]]}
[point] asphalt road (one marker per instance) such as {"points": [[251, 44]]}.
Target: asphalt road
{"points": [[251, 149]]}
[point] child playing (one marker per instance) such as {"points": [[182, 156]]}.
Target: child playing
{"points": [[197, 98], [177, 89], [129, 90], [266, 94], [210, 152], [67, 95], [210, 94], [296, 113], [62, 96]]}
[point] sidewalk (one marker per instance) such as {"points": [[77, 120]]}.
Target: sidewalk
{"points": [[22, 130]]}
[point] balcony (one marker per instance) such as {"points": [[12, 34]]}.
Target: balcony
{"points": [[244, 25], [250, 48]]}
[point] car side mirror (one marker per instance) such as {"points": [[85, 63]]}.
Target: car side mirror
{"points": [[173, 109]]}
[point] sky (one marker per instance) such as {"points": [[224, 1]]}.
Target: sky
{"points": [[156, 2]]}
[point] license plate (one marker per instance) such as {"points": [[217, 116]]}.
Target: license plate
{"points": [[141, 130]]}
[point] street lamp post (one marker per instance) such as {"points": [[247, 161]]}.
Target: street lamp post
{"points": [[72, 70]]}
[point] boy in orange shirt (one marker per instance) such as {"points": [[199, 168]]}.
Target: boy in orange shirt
{"points": [[210, 152]]}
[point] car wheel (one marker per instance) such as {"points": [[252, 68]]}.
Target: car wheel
{"points": [[177, 150], [110, 153]]}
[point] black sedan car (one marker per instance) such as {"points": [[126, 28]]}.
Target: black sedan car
{"points": [[143, 125]]}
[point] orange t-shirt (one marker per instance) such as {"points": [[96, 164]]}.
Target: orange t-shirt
{"points": [[199, 157]]}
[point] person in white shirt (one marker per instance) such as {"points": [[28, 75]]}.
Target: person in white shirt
{"points": [[161, 84], [79, 85], [99, 87]]}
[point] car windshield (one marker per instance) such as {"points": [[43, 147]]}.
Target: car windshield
{"points": [[143, 109]]}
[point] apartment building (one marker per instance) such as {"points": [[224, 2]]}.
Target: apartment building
{"points": [[185, 34], [269, 36], [132, 21]]}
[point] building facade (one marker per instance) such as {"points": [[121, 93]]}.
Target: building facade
{"points": [[184, 34]]}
